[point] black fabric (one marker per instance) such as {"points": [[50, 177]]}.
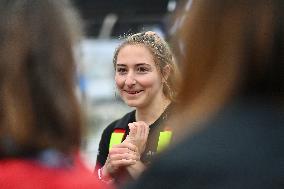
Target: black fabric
{"points": [[152, 142], [241, 148], [106, 135]]}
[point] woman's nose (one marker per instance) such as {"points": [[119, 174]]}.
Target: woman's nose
{"points": [[130, 80]]}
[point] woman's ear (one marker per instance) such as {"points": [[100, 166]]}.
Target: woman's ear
{"points": [[166, 72]]}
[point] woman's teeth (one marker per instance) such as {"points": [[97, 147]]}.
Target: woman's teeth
{"points": [[133, 92]]}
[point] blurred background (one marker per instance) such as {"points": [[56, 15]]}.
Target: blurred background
{"points": [[106, 22]]}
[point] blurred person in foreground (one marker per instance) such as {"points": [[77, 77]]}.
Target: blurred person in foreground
{"points": [[40, 128], [145, 76], [231, 99]]}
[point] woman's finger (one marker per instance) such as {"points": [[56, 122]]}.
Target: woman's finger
{"points": [[124, 145]]}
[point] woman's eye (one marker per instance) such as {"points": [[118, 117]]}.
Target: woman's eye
{"points": [[121, 70], [142, 69]]}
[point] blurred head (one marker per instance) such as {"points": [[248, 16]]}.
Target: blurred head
{"points": [[38, 106], [230, 49], [157, 71]]}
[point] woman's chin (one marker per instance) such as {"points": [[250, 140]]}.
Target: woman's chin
{"points": [[132, 103]]}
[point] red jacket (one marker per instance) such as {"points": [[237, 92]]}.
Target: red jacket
{"points": [[28, 174]]}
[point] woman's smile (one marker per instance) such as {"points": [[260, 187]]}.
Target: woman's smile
{"points": [[133, 92]]}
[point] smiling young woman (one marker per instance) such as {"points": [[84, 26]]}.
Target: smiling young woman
{"points": [[146, 77]]}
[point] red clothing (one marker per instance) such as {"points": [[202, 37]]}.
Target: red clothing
{"points": [[28, 174]]}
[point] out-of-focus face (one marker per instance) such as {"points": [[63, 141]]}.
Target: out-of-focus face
{"points": [[137, 77]]}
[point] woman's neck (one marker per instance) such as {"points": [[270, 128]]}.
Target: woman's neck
{"points": [[152, 112]]}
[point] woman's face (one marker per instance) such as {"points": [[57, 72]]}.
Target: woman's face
{"points": [[137, 77]]}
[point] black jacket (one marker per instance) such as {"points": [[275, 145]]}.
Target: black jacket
{"points": [[242, 147], [151, 146]]}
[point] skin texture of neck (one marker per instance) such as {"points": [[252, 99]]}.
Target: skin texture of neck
{"points": [[152, 111]]}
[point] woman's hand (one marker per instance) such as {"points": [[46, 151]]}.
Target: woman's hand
{"points": [[127, 154], [136, 169], [138, 135], [120, 155]]}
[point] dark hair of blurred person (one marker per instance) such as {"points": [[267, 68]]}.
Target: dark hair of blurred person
{"points": [[40, 118], [230, 50], [232, 57]]}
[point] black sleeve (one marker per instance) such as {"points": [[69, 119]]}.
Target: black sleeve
{"points": [[106, 135], [104, 145]]}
